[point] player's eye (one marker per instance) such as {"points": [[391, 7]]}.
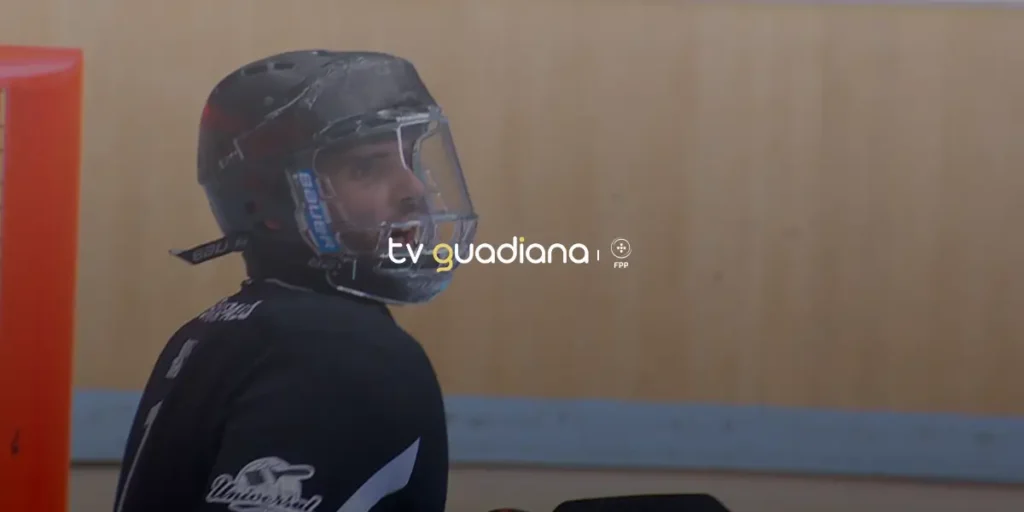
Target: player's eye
{"points": [[361, 168], [373, 166]]}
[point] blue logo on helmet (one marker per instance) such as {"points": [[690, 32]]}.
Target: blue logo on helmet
{"points": [[318, 221]]}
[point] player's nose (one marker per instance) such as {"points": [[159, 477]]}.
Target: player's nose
{"points": [[409, 192], [409, 185]]}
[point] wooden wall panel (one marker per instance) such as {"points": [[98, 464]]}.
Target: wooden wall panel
{"points": [[820, 200]]}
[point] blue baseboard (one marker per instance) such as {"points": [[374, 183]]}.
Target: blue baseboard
{"points": [[631, 435]]}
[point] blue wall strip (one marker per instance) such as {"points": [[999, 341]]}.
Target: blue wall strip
{"points": [[632, 435]]}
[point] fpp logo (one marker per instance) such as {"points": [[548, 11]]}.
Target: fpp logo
{"points": [[621, 250]]}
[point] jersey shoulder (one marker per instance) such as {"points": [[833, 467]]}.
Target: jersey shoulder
{"points": [[266, 316]]}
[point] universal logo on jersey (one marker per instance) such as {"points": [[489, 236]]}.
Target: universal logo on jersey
{"points": [[227, 311], [265, 485]]}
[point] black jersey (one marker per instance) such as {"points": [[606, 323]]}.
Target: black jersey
{"points": [[282, 400]]}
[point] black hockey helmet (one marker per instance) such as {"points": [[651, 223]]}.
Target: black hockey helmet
{"points": [[334, 170]]}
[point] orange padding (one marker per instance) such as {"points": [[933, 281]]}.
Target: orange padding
{"points": [[42, 104]]}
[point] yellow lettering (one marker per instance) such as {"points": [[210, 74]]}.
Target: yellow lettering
{"points": [[444, 260]]}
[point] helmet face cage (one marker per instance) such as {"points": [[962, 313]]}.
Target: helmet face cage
{"points": [[438, 211]]}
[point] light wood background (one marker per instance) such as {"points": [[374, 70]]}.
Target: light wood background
{"points": [[822, 201]]}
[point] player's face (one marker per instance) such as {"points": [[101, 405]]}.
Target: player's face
{"points": [[373, 185]]}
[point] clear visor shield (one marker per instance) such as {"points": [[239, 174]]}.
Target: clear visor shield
{"points": [[395, 193]]}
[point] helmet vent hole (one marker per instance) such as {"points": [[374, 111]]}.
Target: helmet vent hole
{"points": [[254, 70], [283, 65]]}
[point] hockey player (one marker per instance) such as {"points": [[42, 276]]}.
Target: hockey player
{"points": [[300, 393]]}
